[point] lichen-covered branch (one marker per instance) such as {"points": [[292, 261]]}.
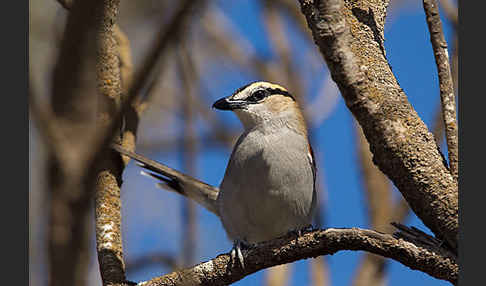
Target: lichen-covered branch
{"points": [[113, 108], [108, 180], [438, 124], [220, 271], [350, 38], [446, 85], [167, 34]]}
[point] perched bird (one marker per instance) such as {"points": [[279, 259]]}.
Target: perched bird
{"points": [[269, 185]]}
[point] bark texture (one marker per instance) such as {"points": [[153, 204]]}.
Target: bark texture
{"points": [[447, 95], [221, 271], [350, 37], [108, 179]]}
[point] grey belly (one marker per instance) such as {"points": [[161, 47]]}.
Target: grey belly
{"points": [[268, 199]]}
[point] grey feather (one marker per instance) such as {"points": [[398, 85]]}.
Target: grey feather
{"points": [[268, 188], [176, 181]]}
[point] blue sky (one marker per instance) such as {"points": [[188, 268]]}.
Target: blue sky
{"points": [[152, 217]]}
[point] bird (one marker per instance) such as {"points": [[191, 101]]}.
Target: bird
{"points": [[269, 185]]}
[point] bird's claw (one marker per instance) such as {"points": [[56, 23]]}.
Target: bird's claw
{"points": [[299, 231], [236, 252]]}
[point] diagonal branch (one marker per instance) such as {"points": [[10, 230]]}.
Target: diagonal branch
{"points": [[447, 95], [351, 40], [227, 40], [220, 271]]}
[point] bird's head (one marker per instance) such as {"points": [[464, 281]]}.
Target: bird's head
{"points": [[260, 101]]}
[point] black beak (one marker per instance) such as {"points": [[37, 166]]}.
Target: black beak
{"points": [[225, 104]]}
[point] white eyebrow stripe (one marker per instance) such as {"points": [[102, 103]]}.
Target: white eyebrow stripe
{"points": [[256, 85]]}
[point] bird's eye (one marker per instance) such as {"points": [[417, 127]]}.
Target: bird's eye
{"points": [[257, 95]]}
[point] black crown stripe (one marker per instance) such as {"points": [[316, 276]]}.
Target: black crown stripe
{"points": [[281, 92]]}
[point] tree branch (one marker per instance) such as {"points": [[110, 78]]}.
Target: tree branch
{"points": [[351, 40], [189, 150], [108, 180], [434, 261], [377, 188], [447, 95], [229, 41], [451, 12], [141, 262], [167, 34], [47, 124], [72, 101], [278, 275]]}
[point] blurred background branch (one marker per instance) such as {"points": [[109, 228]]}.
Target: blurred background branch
{"points": [[188, 150]]}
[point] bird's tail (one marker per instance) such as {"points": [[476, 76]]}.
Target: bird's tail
{"points": [[176, 181]]}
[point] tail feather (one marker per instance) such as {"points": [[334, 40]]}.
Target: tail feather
{"points": [[176, 181], [168, 184]]}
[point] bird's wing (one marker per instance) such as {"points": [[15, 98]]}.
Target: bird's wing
{"points": [[176, 181], [312, 161]]}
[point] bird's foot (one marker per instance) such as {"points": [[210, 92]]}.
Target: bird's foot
{"points": [[236, 251], [300, 231]]}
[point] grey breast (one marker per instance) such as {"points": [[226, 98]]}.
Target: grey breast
{"points": [[268, 187]]}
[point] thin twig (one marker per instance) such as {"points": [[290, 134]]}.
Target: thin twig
{"points": [[189, 82], [276, 33], [450, 11], [294, 12], [163, 259], [171, 144], [326, 100], [447, 96], [229, 41], [438, 124]]}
